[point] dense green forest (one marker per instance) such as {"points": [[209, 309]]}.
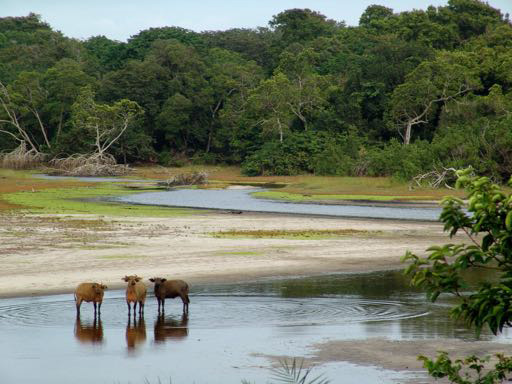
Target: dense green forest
{"points": [[400, 94]]}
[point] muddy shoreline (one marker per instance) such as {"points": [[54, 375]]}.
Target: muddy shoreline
{"points": [[53, 253]]}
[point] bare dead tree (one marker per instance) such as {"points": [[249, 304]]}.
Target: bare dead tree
{"points": [[434, 179]]}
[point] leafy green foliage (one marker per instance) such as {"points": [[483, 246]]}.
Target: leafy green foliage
{"points": [[439, 79], [300, 25], [306, 152], [470, 370], [486, 221], [488, 226]]}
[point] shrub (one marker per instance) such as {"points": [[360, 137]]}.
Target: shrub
{"points": [[307, 152]]}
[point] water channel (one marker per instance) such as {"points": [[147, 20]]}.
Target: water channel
{"points": [[234, 332], [228, 336], [241, 200]]}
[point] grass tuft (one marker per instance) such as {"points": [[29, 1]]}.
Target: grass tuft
{"points": [[310, 234]]}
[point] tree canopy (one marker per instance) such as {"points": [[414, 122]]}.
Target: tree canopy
{"points": [[438, 81]]}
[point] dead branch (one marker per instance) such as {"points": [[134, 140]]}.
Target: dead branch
{"points": [[96, 164], [22, 158], [434, 179], [192, 178]]}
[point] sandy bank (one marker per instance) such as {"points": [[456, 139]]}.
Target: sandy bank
{"points": [[401, 355], [51, 253]]}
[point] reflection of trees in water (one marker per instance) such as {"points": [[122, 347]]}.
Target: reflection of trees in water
{"points": [[437, 324], [367, 285], [169, 328], [87, 332], [135, 332]]}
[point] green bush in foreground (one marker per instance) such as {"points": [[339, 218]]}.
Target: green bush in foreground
{"points": [[488, 225]]}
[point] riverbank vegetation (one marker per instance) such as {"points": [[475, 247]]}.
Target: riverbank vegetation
{"points": [[487, 223], [20, 191], [401, 95], [293, 234]]}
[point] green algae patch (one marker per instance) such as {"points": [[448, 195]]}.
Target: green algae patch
{"points": [[239, 253], [275, 195], [311, 234], [87, 200], [121, 257]]}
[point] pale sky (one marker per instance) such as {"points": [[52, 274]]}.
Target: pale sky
{"points": [[120, 19]]}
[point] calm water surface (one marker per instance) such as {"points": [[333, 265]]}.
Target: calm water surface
{"points": [[226, 337], [241, 200]]}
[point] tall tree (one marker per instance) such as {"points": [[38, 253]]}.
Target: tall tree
{"points": [[104, 123], [139, 45], [270, 103], [63, 82], [432, 83], [228, 75], [306, 86], [252, 44], [21, 116], [302, 25], [376, 17]]}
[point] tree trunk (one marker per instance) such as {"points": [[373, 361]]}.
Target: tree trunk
{"points": [[408, 129], [209, 142], [280, 130]]}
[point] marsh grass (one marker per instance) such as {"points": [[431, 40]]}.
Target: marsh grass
{"points": [[367, 188], [275, 195], [79, 223], [12, 181], [310, 234], [77, 200]]}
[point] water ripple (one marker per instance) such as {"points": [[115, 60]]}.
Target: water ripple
{"points": [[218, 311]]}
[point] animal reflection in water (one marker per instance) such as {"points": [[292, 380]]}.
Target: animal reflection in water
{"points": [[169, 328], [135, 332], [87, 332]]}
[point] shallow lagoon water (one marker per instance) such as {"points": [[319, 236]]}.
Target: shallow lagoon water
{"points": [[230, 331], [241, 200]]}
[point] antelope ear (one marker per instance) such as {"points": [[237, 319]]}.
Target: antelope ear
{"points": [[164, 280], [94, 285], [104, 286], [152, 280]]}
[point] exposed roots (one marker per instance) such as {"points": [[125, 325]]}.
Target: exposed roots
{"points": [[193, 178], [22, 158], [87, 165]]}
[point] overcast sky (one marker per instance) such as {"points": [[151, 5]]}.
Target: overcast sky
{"points": [[119, 19]]}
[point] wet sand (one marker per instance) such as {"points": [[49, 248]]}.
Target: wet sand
{"points": [[52, 253], [401, 355], [44, 254]]}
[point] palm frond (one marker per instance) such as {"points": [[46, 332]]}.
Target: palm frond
{"points": [[294, 373]]}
